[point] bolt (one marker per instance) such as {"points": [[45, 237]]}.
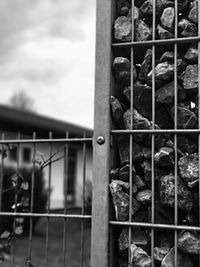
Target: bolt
{"points": [[100, 140]]}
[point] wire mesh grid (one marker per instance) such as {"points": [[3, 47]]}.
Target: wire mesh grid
{"points": [[61, 239], [132, 49]]}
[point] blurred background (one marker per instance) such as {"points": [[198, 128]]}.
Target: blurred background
{"points": [[47, 57]]}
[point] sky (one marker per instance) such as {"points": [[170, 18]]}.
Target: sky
{"points": [[47, 49]]}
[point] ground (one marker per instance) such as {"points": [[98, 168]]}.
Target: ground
{"points": [[73, 247]]}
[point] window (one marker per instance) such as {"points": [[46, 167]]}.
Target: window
{"points": [[71, 171], [26, 156], [13, 154]]}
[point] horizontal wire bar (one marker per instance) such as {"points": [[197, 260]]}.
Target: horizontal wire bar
{"points": [[157, 131], [156, 42], [156, 226], [45, 215], [61, 140]]}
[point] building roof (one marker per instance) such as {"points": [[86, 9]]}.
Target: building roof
{"points": [[12, 119]]}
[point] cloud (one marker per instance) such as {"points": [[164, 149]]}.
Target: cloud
{"points": [[47, 48]]}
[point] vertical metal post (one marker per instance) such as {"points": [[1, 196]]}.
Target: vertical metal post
{"points": [[101, 141], [32, 199]]}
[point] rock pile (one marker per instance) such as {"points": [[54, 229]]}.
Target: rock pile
{"points": [[186, 65]]}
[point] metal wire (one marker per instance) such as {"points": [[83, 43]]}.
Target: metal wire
{"points": [[38, 141], [1, 176], [153, 136], [199, 105], [65, 170], [48, 204], [32, 199], [175, 136], [156, 226], [83, 204], [131, 140], [156, 42]]}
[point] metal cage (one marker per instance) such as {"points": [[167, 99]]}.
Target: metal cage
{"points": [[104, 230]]}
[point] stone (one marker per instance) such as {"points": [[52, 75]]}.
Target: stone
{"points": [[186, 119], [139, 182], [126, 186], [147, 170], [164, 157], [167, 18], [123, 29], [163, 33], [165, 239], [183, 259], [167, 56], [165, 94], [136, 13], [116, 109], [123, 175], [193, 14], [121, 202], [160, 253], [144, 197], [187, 144], [164, 72], [188, 29], [158, 172], [146, 65], [124, 172], [114, 174], [189, 219], [147, 152], [142, 31], [139, 123], [124, 150], [167, 193], [122, 70], [139, 257], [189, 242], [147, 7], [189, 169], [190, 77], [138, 237], [139, 3], [192, 54], [142, 101], [123, 6]]}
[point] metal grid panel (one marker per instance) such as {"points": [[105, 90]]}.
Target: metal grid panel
{"points": [[53, 156], [105, 49]]}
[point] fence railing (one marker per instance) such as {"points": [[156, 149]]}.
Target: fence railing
{"points": [[30, 184]]}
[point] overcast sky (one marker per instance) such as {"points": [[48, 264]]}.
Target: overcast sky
{"points": [[47, 49]]}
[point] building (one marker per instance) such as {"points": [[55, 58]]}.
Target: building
{"points": [[16, 124]]}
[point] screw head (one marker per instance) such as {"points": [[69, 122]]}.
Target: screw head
{"points": [[100, 140]]}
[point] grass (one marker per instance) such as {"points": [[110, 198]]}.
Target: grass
{"points": [[55, 248]]}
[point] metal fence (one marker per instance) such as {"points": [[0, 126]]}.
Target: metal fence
{"points": [[64, 216], [103, 243], [104, 227]]}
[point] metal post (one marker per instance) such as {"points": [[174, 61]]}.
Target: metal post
{"points": [[101, 141]]}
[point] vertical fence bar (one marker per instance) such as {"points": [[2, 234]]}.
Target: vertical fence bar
{"points": [[1, 176], [66, 162], [101, 146], [175, 136], [83, 203], [199, 106], [131, 139], [32, 199], [15, 204], [153, 136], [48, 204]]}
